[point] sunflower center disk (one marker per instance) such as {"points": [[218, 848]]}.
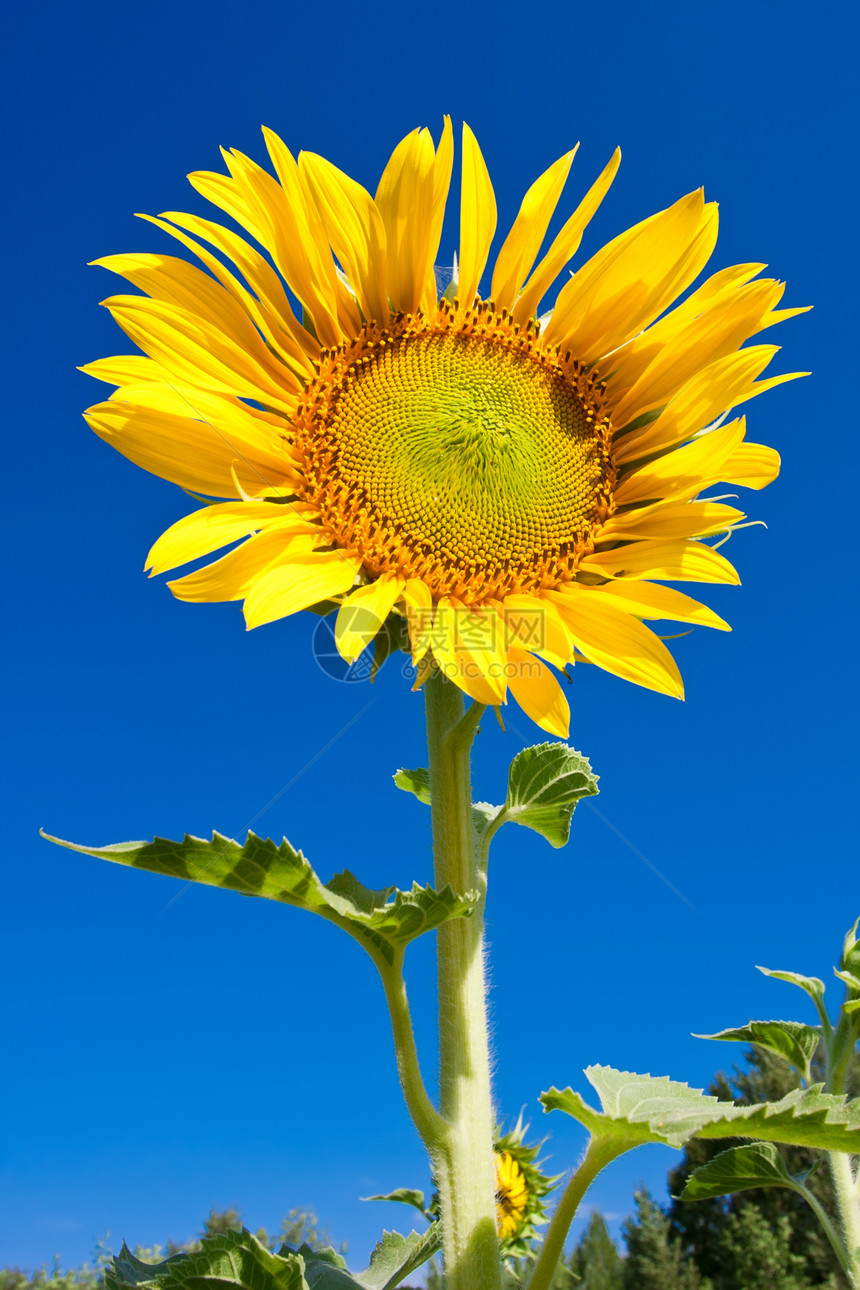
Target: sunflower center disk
{"points": [[473, 461]]}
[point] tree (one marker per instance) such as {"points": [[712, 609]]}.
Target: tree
{"points": [[596, 1263], [701, 1227], [760, 1254], [653, 1261]]}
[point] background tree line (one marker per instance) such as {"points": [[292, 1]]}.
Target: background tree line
{"points": [[767, 1239]]}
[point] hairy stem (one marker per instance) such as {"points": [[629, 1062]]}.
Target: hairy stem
{"points": [[430, 1125], [465, 1172], [598, 1155], [827, 1227], [848, 1204]]}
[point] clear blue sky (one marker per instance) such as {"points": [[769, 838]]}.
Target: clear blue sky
{"points": [[166, 1052]]}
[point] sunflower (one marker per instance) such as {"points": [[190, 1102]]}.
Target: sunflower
{"points": [[512, 1195], [521, 1189], [513, 489]]}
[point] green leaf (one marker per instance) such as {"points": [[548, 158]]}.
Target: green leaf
{"points": [[757, 1164], [789, 1039], [405, 1196], [544, 785], [636, 1109], [811, 984], [483, 815], [393, 1259], [238, 1261], [850, 961], [230, 1259], [417, 782], [381, 920]]}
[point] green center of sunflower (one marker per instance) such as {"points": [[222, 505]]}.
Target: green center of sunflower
{"points": [[462, 455]]}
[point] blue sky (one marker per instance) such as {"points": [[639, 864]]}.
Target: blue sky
{"points": [[169, 1050]]}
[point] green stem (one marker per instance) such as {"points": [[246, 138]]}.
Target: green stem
{"points": [[430, 1125], [848, 1204], [464, 1166], [827, 1227], [597, 1157]]}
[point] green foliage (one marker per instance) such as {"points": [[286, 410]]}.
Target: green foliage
{"points": [[382, 920], [789, 1039], [231, 1260], [299, 1227], [654, 1262], [642, 1108], [701, 1227], [759, 1253], [417, 782], [596, 1263], [544, 785], [405, 1196], [758, 1164], [87, 1277]]}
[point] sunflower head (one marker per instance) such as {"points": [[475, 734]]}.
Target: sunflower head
{"points": [[521, 1188], [512, 486]]}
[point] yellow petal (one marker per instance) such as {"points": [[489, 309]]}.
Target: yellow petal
{"points": [[666, 520], [533, 623], [198, 452], [126, 369], [565, 245], [716, 389], [629, 363], [616, 641], [175, 282], [281, 331], [522, 244], [283, 211], [650, 600], [442, 166], [684, 471], [752, 465], [629, 283], [720, 329], [418, 603], [404, 199], [469, 648], [212, 527], [298, 583], [538, 693], [231, 577], [672, 561], [354, 228], [199, 353], [336, 311], [264, 282], [477, 218], [362, 614]]}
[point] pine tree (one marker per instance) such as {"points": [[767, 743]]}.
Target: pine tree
{"points": [[596, 1263], [653, 1261], [760, 1254]]}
